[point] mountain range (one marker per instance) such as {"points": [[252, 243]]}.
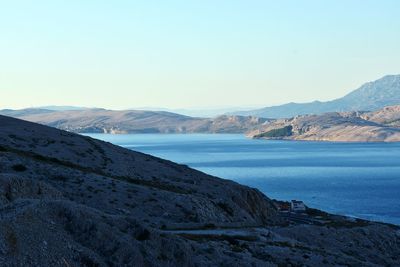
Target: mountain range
{"points": [[369, 97], [382, 125], [135, 121], [343, 119]]}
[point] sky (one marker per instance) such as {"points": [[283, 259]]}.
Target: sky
{"points": [[192, 54]]}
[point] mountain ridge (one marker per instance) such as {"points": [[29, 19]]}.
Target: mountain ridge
{"points": [[377, 126], [135, 121], [368, 97]]}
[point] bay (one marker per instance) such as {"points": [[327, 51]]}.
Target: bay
{"points": [[355, 179]]}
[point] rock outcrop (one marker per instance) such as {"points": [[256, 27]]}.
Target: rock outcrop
{"points": [[389, 116], [335, 126]]}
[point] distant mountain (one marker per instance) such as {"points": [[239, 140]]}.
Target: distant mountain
{"points": [[37, 110], [24, 112], [62, 108], [135, 121], [205, 112], [370, 96]]}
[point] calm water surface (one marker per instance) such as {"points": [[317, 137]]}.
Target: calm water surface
{"points": [[357, 179]]}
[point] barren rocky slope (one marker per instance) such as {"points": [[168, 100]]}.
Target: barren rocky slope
{"points": [[389, 116], [134, 121], [69, 200], [345, 127]]}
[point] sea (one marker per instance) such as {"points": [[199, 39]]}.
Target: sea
{"points": [[354, 179]]}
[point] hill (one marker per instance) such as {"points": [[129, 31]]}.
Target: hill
{"points": [[24, 112], [70, 200], [134, 121], [335, 126], [389, 116], [369, 97]]}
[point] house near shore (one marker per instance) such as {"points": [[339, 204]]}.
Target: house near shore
{"points": [[297, 206]]}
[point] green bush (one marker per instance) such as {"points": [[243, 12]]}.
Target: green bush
{"points": [[280, 132], [19, 168]]}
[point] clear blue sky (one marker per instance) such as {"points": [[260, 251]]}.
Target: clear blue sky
{"points": [[180, 54]]}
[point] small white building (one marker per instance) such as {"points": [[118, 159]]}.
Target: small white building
{"points": [[297, 206]]}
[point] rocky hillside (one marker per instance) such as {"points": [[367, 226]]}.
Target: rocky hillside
{"points": [[369, 97], [70, 200], [345, 126], [134, 121], [389, 116]]}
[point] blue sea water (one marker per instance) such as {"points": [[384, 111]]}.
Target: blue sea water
{"points": [[356, 179]]}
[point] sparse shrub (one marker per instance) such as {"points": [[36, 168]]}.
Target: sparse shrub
{"points": [[48, 142], [143, 235], [237, 249], [226, 208], [87, 260], [209, 226], [60, 178], [39, 157], [162, 257], [78, 181], [11, 240], [90, 188], [280, 132], [19, 168]]}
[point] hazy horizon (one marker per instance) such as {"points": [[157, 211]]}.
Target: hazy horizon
{"points": [[193, 110], [192, 55]]}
